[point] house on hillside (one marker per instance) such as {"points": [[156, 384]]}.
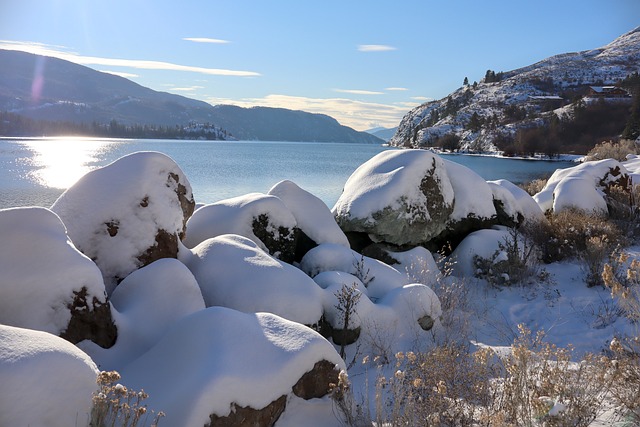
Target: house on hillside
{"points": [[607, 92]]}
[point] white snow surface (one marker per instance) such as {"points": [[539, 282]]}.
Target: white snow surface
{"points": [[234, 272], [525, 204], [236, 216], [115, 193], [578, 187], [40, 270], [233, 357], [145, 305], [389, 179], [379, 277], [313, 217], [472, 194], [44, 380], [481, 243]]}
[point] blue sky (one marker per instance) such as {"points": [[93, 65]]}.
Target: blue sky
{"points": [[366, 63]]}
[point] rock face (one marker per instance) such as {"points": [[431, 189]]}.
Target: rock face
{"points": [[128, 214], [65, 294], [584, 187], [259, 217], [398, 197]]}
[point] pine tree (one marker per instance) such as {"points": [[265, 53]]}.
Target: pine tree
{"points": [[466, 81]]}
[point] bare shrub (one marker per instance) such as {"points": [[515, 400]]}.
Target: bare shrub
{"points": [[534, 187], [566, 234], [624, 209], [513, 263], [115, 405], [593, 258], [617, 150]]}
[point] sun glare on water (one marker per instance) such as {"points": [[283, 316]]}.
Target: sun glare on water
{"points": [[61, 162]]}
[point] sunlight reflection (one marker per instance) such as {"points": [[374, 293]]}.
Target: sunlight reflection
{"points": [[61, 162]]}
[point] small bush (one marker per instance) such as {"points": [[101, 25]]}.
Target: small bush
{"points": [[513, 263], [534, 187], [566, 234], [617, 150], [115, 405]]}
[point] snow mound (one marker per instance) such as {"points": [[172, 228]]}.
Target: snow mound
{"points": [[217, 357], [582, 187], [248, 216], [473, 196], [41, 271], [234, 272], [378, 277], [146, 303], [45, 380], [127, 214], [312, 215], [481, 243]]}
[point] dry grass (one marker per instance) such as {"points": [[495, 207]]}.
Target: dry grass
{"points": [[617, 150]]}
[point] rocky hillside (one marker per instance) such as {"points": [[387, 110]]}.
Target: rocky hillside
{"points": [[479, 114], [63, 91]]}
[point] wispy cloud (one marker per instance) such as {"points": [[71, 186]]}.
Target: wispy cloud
{"points": [[358, 92], [422, 98], [121, 74], [205, 40], [396, 88], [187, 89], [56, 52], [356, 114], [375, 48]]}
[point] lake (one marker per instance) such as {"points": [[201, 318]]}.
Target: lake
{"points": [[35, 171]]}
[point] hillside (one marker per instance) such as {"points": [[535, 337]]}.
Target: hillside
{"points": [[480, 115], [74, 93]]}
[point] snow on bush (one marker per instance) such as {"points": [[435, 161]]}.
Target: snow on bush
{"points": [[41, 270], [581, 187], [233, 271], [218, 356], [44, 380], [118, 214], [312, 215]]}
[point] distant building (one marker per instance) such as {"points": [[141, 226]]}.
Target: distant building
{"points": [[548, 101], [607, 92]]}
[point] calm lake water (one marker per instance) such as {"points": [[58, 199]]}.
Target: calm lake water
{"points": [[34, 172]]}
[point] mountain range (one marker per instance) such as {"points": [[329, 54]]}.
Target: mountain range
{"points": [[477, 115], [52, 89]]}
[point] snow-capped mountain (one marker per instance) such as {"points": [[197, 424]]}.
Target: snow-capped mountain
{"points": [[502, 103]]}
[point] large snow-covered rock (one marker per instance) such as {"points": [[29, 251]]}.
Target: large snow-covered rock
{"points": [[44, 380], [200, 368], [583, 187], [262, 218], [519, 204], [314, 218], [46, 283], [482, 244], [128, 214], [145, 305], [234, 272], [402, 197]]}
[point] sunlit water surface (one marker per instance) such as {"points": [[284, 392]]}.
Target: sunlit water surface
{"points": [[34, 172]]}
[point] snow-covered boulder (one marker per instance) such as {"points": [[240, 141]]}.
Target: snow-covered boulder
{"points": [[128, 214], [146, 303], [44, 380], [402, 197], [201, 372], [46, 283], [377, 277], [234, 272], [519, 204], [481, 243], [262, 218], [314, 218], [583, 187]]}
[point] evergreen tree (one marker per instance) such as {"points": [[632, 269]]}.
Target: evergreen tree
{"points": [[466, 81]]}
